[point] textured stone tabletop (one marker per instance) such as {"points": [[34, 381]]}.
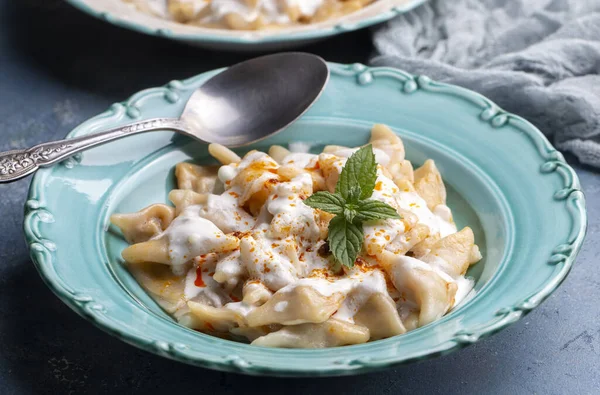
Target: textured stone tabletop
{"points": [[59, 67]]}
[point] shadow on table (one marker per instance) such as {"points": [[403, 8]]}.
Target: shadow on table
{"points": [[95, 56]]}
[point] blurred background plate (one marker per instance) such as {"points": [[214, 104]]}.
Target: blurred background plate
{"points": [[126, 15]]}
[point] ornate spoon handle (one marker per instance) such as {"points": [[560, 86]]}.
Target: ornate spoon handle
{"points": [[20, 163]]}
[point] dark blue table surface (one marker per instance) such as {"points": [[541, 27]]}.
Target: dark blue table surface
{"points": [[59, 67]]}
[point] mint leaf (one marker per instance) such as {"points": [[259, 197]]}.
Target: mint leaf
{"points": [[354, 194], [360, 170], [345, 240], [349, 204], [350, 213], [332, 203], [369, 210]]}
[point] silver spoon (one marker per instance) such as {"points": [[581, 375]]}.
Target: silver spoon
{"points": [[244, 104]]}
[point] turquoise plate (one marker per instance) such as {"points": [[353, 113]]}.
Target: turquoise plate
{"points": [[504, 179], [127, 16]]}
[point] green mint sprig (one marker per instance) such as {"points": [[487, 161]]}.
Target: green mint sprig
{"points": [[351, 205]]}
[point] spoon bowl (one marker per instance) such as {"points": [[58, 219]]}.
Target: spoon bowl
{"points": [[255, 99], [243, 104]]}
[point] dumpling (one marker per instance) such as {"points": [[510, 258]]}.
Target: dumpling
{"points": [[256, 180], [256, 293], [207, 318], [183, 198], [331, 167], [331, 333], [230, 270], [299, 305], [223, 154], [186, 237], [291, 217], [253, 333], [429, 184], [384, 139], [454, 253], [145, 224], [200, 179], [380, 316], [160, 282], [155, 250], [404, 242], [226, 213], [432, 293], [278, 153], [402, 171], [275, 270], [423, 247]]}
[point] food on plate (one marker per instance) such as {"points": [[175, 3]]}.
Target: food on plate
{"points": [[248, 14], [293, 249]]}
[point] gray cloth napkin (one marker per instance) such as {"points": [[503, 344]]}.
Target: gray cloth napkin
{"points": [[536, 58]]}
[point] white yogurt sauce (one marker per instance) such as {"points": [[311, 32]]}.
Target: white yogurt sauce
{"points": [[280, 247], [230, 271], [243, 308], [465, 290], [225, 212], [190, 235], [290, 214], [438, 221], [211, 290], [280, 306], [301, 160], [444, 220], [382, 234], [227, 173], [367, 285], [268, 263]]}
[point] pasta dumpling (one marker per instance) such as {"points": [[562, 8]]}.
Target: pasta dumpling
{"points": [[297, 306], [217, 319], [432, 293], [241, 255], [429, 184], [144, 224], [200, 179], [454, 253], [379, 314], [183, 198], [159, 281], [331, 333], [383, 138], [176, 247]]}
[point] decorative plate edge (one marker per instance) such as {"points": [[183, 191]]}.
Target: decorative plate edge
{"points": [[562, 256]]}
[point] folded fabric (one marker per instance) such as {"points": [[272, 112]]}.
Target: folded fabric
{"points": [[536, 58]]}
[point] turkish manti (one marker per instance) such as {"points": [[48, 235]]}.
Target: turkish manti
{"points": [[240, 256]]}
